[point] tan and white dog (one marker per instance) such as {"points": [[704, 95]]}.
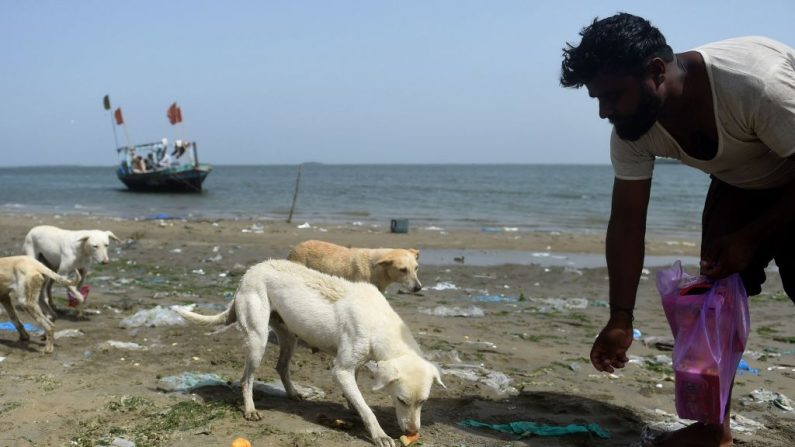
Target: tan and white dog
{"points": [[21, 281], [352, 321], [378, 266]]}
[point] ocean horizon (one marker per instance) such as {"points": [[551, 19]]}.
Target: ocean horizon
{"points": [[492, 197]]}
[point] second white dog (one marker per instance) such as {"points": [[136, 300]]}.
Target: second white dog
{"points": [[64, 251], [351, 320]]}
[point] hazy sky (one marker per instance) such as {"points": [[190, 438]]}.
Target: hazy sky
{"points": [[425, 81]]}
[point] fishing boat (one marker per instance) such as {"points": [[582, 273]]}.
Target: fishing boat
{"points": [[158, 167], [151, 168]]}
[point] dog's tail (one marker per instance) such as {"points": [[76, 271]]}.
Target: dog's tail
{"points": [[58, 278], [71, 285], [228, 316]]}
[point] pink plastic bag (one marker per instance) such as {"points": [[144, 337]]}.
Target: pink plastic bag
{"points": [[710, 324]]}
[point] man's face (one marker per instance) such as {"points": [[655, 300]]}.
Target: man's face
{"points": [[628, 102]]}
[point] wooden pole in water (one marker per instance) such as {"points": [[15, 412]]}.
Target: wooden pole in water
{"points": [[295, 193]]}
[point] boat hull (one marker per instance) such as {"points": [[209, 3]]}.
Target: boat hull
{"points": [[167, 180]]}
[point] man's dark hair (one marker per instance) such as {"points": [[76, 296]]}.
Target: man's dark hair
{"points": [[621, 44]]}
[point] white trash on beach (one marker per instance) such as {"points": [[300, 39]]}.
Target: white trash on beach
{"points": [[769, 399], [495, 380], [304, 226], [156, 317], [189, 381], [548, 305], [67, 333], [667, 422], [444, 286], [125, 345], [443, 357], [455, 311], [121, 442]]}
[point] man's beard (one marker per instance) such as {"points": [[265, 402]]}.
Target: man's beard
{"points": [[636, 125]]}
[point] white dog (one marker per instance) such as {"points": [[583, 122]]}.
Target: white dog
{"points": [[21, 280], [378, 266], [351, 320], [64, 251]]}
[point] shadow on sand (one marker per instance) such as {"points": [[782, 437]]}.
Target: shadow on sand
{"points": [[441, 416]]}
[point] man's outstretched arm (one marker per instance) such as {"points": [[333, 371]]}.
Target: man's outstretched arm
{"points": [[625, 250]]}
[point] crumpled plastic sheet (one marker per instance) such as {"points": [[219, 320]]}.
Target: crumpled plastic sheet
{"points": [[155, 317], [768, 398], [443, 286], [190, 381], [670, 422], [495, 380], [549, 305], [455, 311]]}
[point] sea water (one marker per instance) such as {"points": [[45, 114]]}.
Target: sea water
{"points": [[488, 197]]}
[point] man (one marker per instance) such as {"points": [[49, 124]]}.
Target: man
{"points": [[727, 108]]}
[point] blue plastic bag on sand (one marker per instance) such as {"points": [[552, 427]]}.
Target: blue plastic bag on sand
{"points": [[524, 429]]}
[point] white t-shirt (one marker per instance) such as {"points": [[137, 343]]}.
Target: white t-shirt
{"points": [[753, 93]]}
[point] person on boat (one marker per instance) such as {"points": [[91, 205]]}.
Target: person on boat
{"points": [[139, 165], [726, 108], [150, 161], [179, 149], [165, 161]]}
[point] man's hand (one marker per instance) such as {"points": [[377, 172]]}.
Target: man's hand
{"points": [[730, 254], [609, 351]]}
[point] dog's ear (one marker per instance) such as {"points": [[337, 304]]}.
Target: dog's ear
{"points": [[415, 252], [386, 372], [83, 239], [437, 375], [384, 262], [112, 236]]}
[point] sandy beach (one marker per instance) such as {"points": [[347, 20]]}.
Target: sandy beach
{"points": [[524, 359]]}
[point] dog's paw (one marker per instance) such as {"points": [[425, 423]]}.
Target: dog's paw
{"points": [[297, 396], [253, 416], [385, 441]]}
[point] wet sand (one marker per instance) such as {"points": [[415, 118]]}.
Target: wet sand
{"points": [[527, 354]]}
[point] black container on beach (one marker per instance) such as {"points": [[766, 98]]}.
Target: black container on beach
{"points": [[399, 226]]}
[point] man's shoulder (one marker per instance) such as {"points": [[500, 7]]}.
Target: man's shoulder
{"points": [[746, 43]]}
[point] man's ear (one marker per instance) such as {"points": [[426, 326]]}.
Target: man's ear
{"points": [[657, 70], [415, 252], [112, 236], [386, 372]]}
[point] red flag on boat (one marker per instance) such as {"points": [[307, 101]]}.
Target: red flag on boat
{"points": [[119, 118], [174, 114]]}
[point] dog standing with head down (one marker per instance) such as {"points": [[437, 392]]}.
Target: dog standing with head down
{"points": [[378, 266], [21, 281], [64, 251], [352, 321]]}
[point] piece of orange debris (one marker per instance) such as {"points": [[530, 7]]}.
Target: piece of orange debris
{"points": [[241, 442], [409, 439]]}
